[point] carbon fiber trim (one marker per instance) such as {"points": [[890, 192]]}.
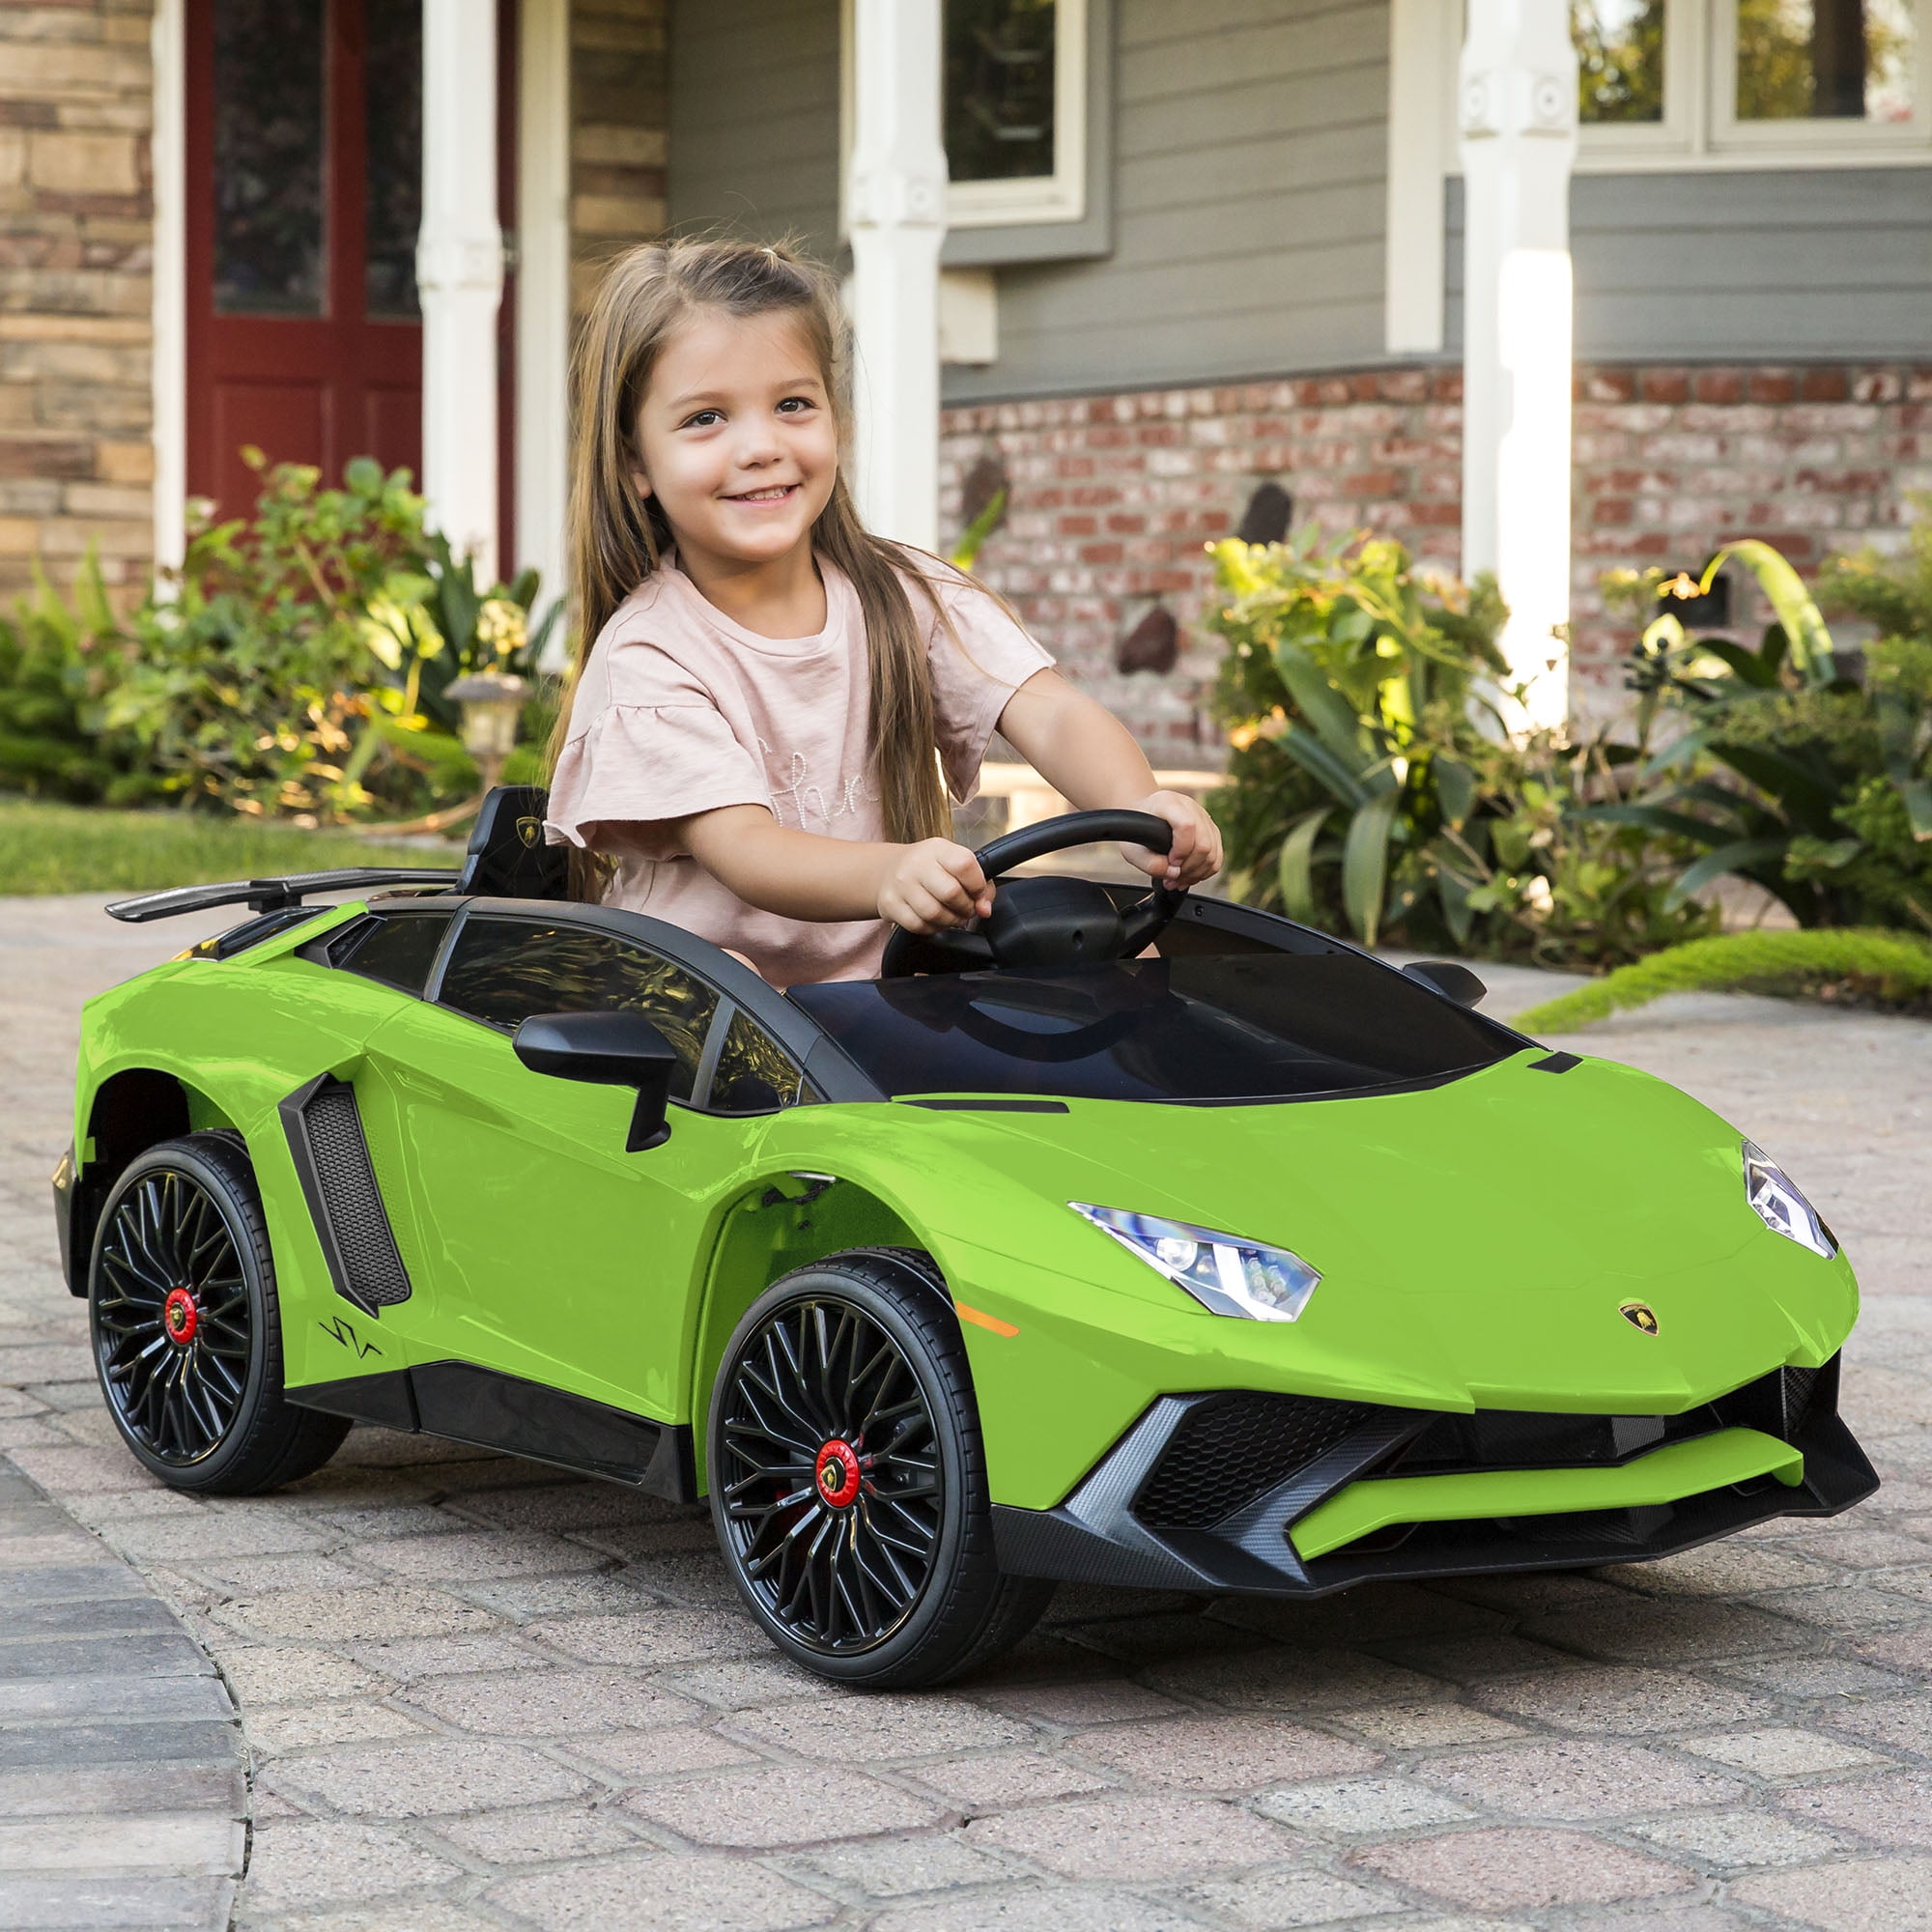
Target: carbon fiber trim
{"points": [[338, 1181]]}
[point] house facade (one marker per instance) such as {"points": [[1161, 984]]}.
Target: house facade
{"points": [[1198, 259]]}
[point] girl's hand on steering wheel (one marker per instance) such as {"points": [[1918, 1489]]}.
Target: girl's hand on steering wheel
{"points": [[1195, 852], [932, 887]]}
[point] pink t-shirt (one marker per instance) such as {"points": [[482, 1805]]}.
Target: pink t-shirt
{"points": [[680, 710]]}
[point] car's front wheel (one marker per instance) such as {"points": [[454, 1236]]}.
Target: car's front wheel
{"points": [[181, 1296], [849, 1481]]}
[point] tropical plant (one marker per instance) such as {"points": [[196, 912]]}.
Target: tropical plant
{"points": [[1799, 767], [1858, 963], [1373, 783]]}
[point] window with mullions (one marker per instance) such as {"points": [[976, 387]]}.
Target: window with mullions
{"points": [[1015, 89], [1750, 83]]}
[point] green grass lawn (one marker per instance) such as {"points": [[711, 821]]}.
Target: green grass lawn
{"points": [[67, 848]]}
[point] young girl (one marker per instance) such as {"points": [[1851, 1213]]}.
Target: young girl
{"points": [[761, 686]]}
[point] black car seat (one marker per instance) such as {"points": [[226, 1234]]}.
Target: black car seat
{"points": [[507, 857]]}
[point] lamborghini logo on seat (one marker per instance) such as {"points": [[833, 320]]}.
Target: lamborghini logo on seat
{"points": [[1640, 1316], [529, 830]]}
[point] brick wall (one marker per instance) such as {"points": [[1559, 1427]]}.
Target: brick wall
{"points": [[1112, 497], [75, 229], [619, 115]]}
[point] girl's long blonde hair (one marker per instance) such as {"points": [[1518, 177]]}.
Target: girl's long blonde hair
{"points": [[617, 537]]}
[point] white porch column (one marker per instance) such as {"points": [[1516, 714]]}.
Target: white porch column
{"points": [[896, 206], [460, 273], [1518, 140]]}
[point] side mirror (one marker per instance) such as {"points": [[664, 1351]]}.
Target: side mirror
{"points": [[1444, 976], [608, 1050]]}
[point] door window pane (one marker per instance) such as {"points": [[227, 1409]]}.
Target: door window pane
{"points": [[504, 970], [999, 89], [399, 950], [756, 1075], [268, 156], [1620, 60], [394, 155], [1825, 60]]}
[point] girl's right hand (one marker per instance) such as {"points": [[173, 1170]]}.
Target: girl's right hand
{"points": [[934, 886]]}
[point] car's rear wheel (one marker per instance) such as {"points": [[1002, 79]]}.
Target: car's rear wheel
{"points": [[186, 1332], [849, 1481]]}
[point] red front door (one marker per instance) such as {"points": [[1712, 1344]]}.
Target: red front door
{"points": [[304, 172]]}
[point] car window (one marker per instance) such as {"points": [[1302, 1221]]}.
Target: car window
{"points": [[1198, 1028], [756, 1075], [397, 951], [503, 970]]}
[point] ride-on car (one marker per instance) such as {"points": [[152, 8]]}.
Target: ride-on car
{"points": [[1132, 1238]]}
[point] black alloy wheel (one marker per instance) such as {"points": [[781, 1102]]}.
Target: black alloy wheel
{"points": [[847, 1481], [186, 1326]]}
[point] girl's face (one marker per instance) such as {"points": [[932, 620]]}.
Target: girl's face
{"points": [[737, 438]]}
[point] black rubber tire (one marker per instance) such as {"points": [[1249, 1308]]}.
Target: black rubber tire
{"points": [[266, 1441], [967, 1611]]}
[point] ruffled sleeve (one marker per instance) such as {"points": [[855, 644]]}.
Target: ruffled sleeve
{"points": [[979, 659], [648, 745]]}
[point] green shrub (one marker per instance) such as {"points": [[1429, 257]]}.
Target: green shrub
{"points": [[1882, 967], [1372, 784]]}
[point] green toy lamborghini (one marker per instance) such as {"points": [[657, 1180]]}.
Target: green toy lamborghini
{"points": [[1132, 1237]]}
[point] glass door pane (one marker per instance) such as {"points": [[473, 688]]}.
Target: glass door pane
{"points": [[1000, 89], [270, 157], [1620, 60], [393, 149], [1817, 59]]}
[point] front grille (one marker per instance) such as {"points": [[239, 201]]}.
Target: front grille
{"points": [[358, 1239], [1229, 1449]]}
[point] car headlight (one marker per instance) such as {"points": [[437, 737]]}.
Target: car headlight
{"points": [[1224, 1273], [1780, 1205]]}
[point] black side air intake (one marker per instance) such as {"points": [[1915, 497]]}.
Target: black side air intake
{"points": [[338, 1181]]}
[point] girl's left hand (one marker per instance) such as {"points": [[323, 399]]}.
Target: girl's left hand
{"points": [[1195, 852]]}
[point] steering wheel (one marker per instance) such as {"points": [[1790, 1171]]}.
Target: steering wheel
{"points": [[1046, 925]]}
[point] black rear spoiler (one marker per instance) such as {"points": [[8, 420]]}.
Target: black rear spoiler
{"points": [[273, 894]]}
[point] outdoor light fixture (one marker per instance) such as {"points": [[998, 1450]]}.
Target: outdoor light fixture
{"points": [[1224, 1273], [492, 700], [1781, 1208]]}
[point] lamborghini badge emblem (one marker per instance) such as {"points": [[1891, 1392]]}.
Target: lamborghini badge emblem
{"points": [[529, 831], [1640, 1316]]}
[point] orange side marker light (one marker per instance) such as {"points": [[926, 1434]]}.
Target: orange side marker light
{"points": [[979, 1319]]}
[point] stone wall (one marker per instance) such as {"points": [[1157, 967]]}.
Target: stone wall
{"points": [[76, 464], [619, 113], [1112, 497]]}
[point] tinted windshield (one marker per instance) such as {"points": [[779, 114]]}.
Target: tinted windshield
{"points": [[1205, 1028]]}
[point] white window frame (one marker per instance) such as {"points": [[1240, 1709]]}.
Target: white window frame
{"points": [[1700, 127], [1058, 197]]}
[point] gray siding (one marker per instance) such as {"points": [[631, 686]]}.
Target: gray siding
{"points": [[1826, 262], [754, 119], [1250, 169]]}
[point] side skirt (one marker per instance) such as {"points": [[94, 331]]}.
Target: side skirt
{"points": [[468, 1403]]}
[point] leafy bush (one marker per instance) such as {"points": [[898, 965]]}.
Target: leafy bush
{"points": [[1858, 964], [1373, 784], [1799, 766], [297, 665]]}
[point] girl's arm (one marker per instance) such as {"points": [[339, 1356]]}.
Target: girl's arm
{"points": [[1086, 754], [923, 888]]}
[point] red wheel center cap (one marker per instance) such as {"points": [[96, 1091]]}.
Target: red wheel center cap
{"points": [[837, 1473], [179, 1317]]}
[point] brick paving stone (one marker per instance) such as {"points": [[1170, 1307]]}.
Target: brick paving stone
{"points": [[681, 1894], [205, 1843], [1814, 1677], [1725, 1570], [648, 1636], [1868, 1895], [1573, 1781], [778, 1805], [1221, 1753], [1039, 1908], [546, 1703], [1274, 1901], [874, 1729], [410, 1658], [295, 1674], [417, 1780], [1406, 1726], [631, 1755], [1736, 1838], [294, 1727], [1895, 1809], [1290, 1680], [741, 1682], [1356, 1806], [891, 1868], [528, 1599], [1104, 1701], [1509, 1867], [321, 1861], [172, 1903], [464, 1557], [995, 1779], [1619, 1702], [1675, 1629], [1777, 1751], [1134, 1838], [1903, 1723], [536, 1838], [388, 1611]]}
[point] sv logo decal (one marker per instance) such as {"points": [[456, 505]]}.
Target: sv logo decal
{"points": [[342, 1333]]}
